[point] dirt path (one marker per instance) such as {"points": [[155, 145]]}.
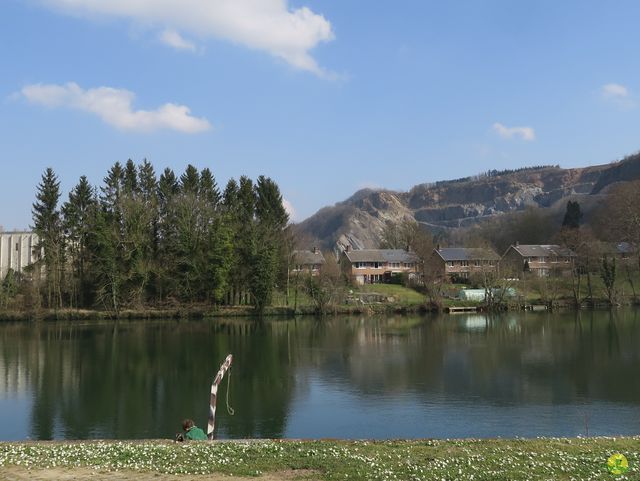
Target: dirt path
{"points": [[16, 473]]}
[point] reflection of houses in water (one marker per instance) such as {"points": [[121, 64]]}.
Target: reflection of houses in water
{"points": [[389, 331], [474, 323], [481, 322], [27, 362]]}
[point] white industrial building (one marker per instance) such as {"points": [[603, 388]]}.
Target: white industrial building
{"points": [[17, 251]]}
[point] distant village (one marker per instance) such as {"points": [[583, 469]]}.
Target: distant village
{"points": [[458, 264]]}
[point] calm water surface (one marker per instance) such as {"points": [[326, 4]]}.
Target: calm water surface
{"points": [[398, 377]]}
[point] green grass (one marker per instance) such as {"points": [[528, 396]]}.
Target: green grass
{"points": [[280, 298], [562, 287], [401, 294], [478, 460]]}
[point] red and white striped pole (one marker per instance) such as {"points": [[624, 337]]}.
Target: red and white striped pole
{"points": [[214, 394]]}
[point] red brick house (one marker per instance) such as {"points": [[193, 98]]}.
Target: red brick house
{"points": [[539, 259], [462, 262], [371, 266], [307, 262]]}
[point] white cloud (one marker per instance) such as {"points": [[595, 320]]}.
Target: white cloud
{"points": [[288, 206], [524, 133], [618, 94], [114, 106], [174, 39], [268, 25], [614, 91]]}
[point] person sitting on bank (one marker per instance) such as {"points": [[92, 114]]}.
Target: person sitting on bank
{"points": [[192, 432]]}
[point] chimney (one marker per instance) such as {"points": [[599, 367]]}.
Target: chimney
{"points": [[517, 243], [315, 249], [347, 248], [438, 247]]}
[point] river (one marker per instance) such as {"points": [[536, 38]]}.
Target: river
{"points": [[448, 376]]}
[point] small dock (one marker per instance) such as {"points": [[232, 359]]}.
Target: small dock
{"points": [[536, 307], [455, 309]]}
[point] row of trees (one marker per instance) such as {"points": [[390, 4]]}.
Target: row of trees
{"points": [[140, 240]]}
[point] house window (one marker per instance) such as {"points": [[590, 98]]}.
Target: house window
{"points": [[450, 263], [465, 263]]}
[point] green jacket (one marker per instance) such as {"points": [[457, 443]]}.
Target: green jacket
{"points": [[195, 434]]}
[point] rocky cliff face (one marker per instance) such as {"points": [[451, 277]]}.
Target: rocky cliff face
{"points": [[359, 220]]}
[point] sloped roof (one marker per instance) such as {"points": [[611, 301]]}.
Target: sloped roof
{"points": [[381, 255], [304, 258], [543, 250], [467, 254]]}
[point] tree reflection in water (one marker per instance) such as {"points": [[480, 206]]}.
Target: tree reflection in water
{"points": [[140, 379]]}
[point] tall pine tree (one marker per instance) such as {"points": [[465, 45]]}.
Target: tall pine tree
{"points": [[269, 256], [48, 226], [573, 215], [77, 213]]}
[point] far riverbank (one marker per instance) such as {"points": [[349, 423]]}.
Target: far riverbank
{"points": [[199, 313], [195, 313]]}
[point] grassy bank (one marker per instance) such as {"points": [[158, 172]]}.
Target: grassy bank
{"points": [[404, 300], [200, 313], [536, 459], [368, 299]]}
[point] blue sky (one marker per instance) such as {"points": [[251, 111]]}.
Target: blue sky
{"points": [[325, 97]]}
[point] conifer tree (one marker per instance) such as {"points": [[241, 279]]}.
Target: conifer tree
{"points": [[230, 195], [168, 187], [270, 209], [112, 189], [573, 215], [48, 226], [244, 238], [209, 188], [190, 180], [77, 211], [168, 190], [130, 178], [269, 256]]}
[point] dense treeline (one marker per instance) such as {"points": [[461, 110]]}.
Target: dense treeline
{"points": [[139, 240], [494, 173]]}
